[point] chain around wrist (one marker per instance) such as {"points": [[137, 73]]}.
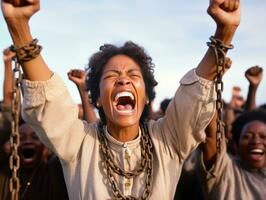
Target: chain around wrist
{"points": [[27, 52]]}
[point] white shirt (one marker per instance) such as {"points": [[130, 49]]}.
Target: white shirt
{"points": [[48, 107]]}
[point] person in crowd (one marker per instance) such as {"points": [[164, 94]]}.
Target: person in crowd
{"points": [[38, 179], [5, 130], [124, 156], [5, 122], [243, 176], [231, 110], [5, 104], [8, 55], [254, 76], [78, 77], [155, 115], [189, 186], [237, 105], [164, 104]]}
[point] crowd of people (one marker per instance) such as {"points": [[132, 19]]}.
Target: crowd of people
{"points": [[40, 172], [113, 145]]}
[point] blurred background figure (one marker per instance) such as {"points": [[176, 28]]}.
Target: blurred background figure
{"points": [[241, 176], [160, 113], [86, 109]]}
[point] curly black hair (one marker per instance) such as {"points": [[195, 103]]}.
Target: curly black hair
{"points": [[245, 118], [98, 61]]}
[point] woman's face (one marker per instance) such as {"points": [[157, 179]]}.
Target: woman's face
{"points": [[252, 144], [30, 148], [122, 92]]}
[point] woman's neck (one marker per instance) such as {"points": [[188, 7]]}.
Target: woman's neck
{"points": [[123, 134]]}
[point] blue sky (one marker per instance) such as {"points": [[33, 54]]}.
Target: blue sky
{"points": [[174, 33]]}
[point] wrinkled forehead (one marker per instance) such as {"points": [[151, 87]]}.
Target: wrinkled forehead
{"points": [[120, 63]]}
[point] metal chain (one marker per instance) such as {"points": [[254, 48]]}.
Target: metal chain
{"points": [[14, 160], [220, 50], [116, 168], [111, 167], [28, 51]]}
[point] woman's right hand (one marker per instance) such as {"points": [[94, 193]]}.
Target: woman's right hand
{"points": [[15, 11]]}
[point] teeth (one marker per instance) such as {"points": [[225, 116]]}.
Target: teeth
{"points": [[256, 151], [124, 94]]}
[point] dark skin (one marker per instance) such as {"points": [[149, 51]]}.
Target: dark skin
{"points": [[30, 148], [251, 148], [226, 14], [254, 77], [7, 88], [78, 77], [252, 144], [235, 103], [209, 147]]}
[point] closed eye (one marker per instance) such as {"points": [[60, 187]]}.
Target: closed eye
{"points": [[136, 75], [113, 75]]}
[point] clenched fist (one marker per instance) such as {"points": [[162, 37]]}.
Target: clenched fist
{"points": [[8, 55], [225, 12], [14, 10], [78, 77], [254, 75]]}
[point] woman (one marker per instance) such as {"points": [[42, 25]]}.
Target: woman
{"points": [[242, 176], [122, 157]]}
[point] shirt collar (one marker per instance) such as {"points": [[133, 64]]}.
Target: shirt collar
{"points": [[117, 145]]}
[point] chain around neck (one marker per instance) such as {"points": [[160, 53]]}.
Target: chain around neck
{"points": [[112, 168]]}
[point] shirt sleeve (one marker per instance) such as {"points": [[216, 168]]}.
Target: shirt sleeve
{"points": [[220, 171], [49, 109], [182, 127]]}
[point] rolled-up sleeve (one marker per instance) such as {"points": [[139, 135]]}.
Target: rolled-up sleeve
{"points": [[49, 109], [188, 114]]}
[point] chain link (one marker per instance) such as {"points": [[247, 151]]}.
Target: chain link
{"points": [[111, 167], [219, 49], [27, 52], [14, 160]]}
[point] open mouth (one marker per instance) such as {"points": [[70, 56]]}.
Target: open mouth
{"points": [[256, 153], [124, 102], [28, 153]]}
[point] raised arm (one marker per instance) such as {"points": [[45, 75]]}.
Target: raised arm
{"points": [[209, 146], [7, 86], [46, 100], [254, 76], [233, 106], [226, 14], [17, 14], [78, 77]]}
